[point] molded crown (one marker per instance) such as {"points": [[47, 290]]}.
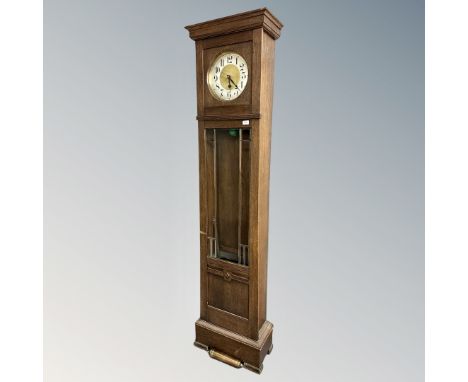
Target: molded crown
{"points": [[258, 18]]}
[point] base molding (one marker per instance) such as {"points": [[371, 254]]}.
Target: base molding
{"points": [[232, 348]]}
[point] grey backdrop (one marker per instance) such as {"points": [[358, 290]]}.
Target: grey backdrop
{"points": [[346, 261]]}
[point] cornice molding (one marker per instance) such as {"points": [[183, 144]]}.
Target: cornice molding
{"points": [[258, 18]]}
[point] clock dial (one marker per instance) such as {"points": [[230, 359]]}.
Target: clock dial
{"points": [[227, 77]]}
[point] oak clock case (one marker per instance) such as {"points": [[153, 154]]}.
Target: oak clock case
{"points": [[234, 71]]}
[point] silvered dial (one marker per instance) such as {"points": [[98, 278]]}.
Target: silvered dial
{"points": [[228, 76]]}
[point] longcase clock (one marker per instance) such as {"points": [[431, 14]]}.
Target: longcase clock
{"points": [[234, 70]]}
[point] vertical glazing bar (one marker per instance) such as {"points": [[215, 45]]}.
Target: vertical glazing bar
{"points": [[239, 215], [215, 220]]}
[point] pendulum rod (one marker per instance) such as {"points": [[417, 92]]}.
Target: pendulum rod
{"points": [[215, 181], [211, 219], [239, 218]]}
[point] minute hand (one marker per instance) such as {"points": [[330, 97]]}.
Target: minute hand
{"points": [[231, 80]]}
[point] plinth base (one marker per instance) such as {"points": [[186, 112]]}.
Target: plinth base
{"points": [[232, 348]]}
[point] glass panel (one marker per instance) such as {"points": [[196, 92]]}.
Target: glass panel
{"points": [[228, 182]]}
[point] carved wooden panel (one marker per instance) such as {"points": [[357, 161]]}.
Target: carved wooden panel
{"points": [[227, 293]]}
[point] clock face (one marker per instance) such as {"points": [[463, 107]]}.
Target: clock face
{"points": [[227, 77]]}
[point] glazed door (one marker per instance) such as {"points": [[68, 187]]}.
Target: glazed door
{"points": [[227, 172]]}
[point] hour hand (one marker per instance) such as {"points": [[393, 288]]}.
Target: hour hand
{"points": [[229, 80]]}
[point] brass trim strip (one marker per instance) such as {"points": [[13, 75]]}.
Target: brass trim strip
{"points": [[225, 358]]}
